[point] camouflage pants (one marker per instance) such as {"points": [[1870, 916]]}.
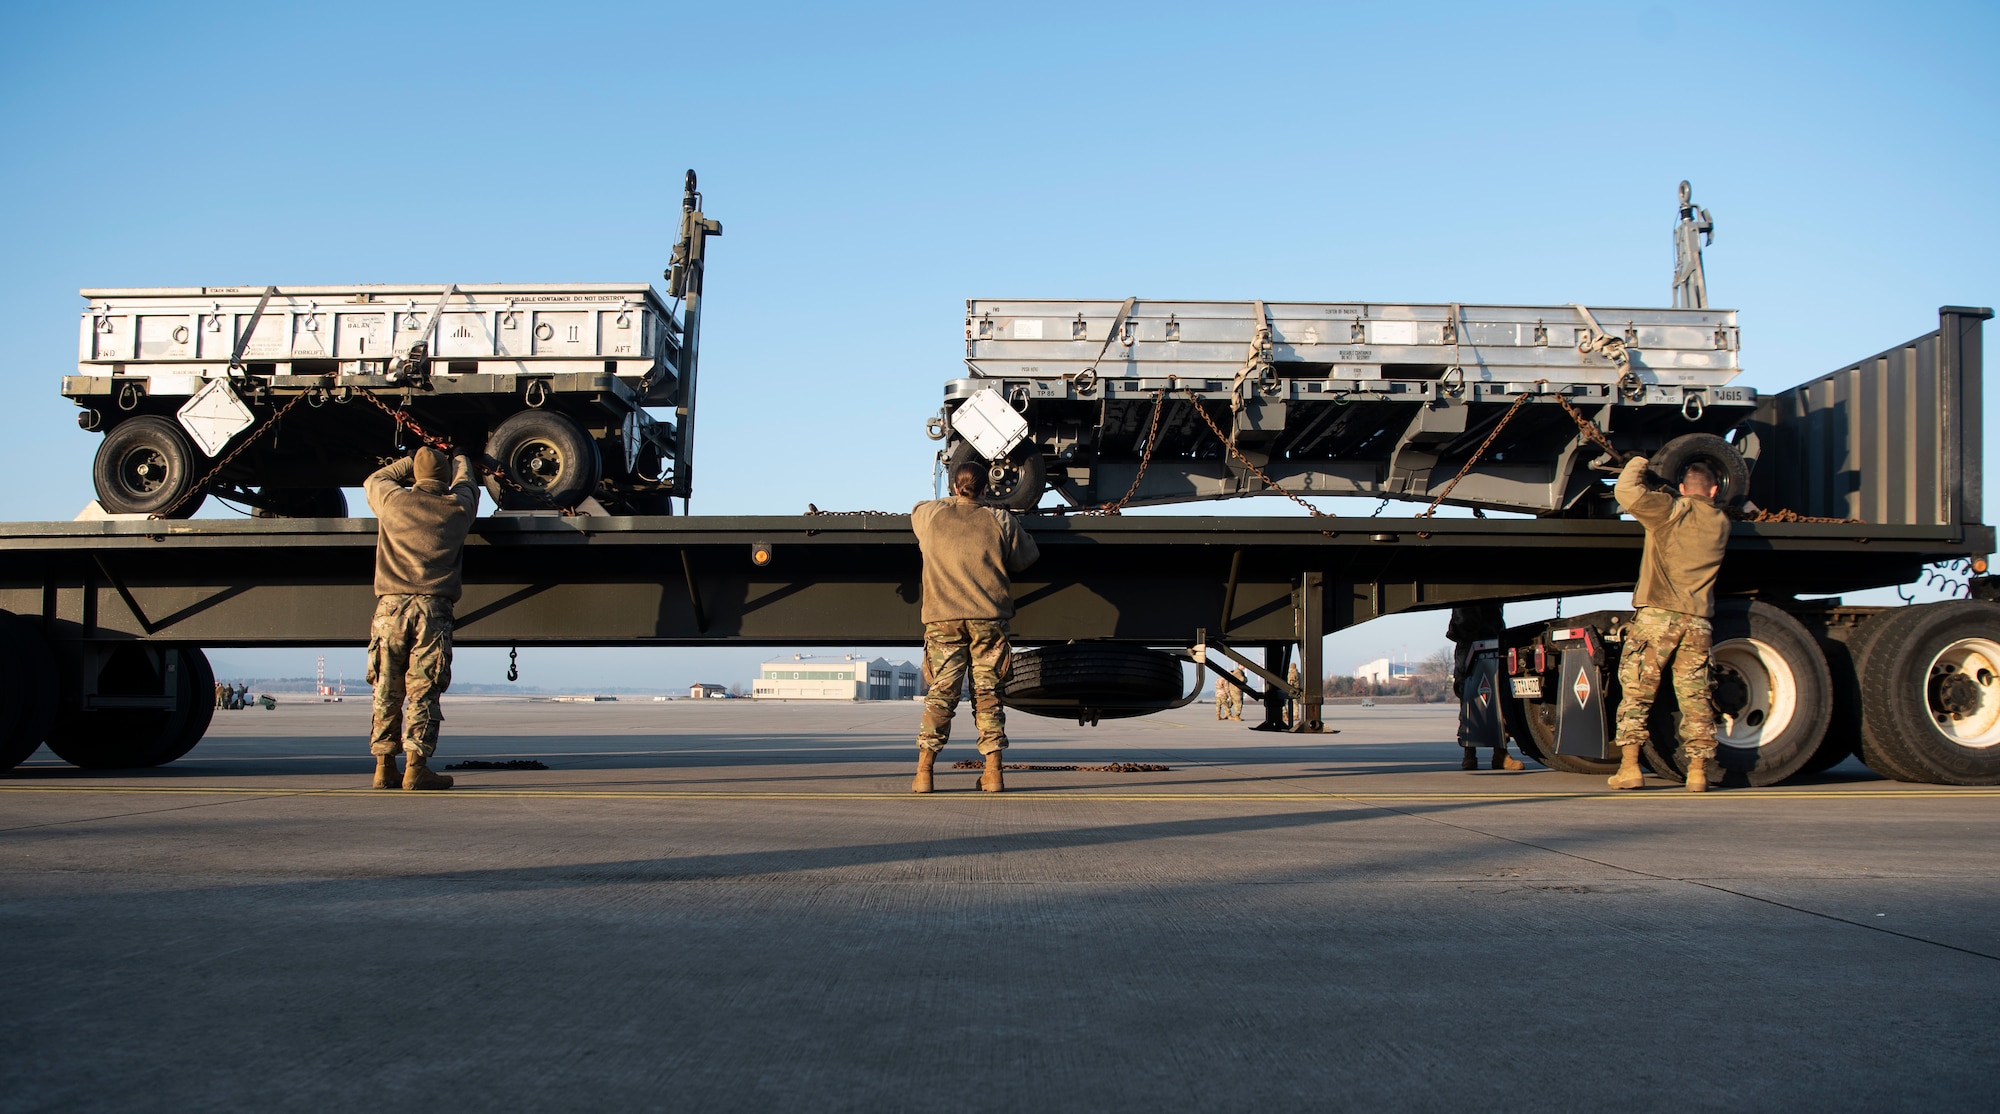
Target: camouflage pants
{"points": [[1228, 701], [1660, 640], [950, 648], [409, 656]]}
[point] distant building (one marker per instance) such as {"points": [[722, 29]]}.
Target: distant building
{"points": [[1381, 671], [806, 677], [702, 690]]}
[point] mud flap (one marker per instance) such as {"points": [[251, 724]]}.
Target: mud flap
{"points": [[1580, 728], [1479, 704]]}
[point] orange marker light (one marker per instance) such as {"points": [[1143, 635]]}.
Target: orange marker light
{"points": [[760, 554]]}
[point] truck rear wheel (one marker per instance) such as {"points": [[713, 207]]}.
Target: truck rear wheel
{"points": [[1773, 695], [132, 738], [28, 681], [1684, 450], [1930, 689], [1539, 716], [549, 459], [145, 465], [1843, 729]]}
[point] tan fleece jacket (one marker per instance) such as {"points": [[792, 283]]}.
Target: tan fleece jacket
{"points": [[968, 551], [420, 535], [1685, 537]]}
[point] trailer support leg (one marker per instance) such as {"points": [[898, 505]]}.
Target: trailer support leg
{"points": [[1312, 635], [1277, 656]]}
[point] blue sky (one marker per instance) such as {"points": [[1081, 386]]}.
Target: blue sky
{"points": [[875, 165]]}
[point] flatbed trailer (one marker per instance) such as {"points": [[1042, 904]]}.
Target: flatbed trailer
{"points": [[109, 618]]}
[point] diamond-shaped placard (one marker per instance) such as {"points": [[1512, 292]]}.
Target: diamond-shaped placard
{"points": [[991, 425], [214, 415]]}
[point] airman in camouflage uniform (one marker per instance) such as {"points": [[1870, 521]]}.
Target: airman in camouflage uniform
{"points": [[409, 657], [968, 549], [1229, 698], [420, 531], [1675, 596]]}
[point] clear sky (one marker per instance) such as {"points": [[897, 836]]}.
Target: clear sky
{"points": [[875, 165]]}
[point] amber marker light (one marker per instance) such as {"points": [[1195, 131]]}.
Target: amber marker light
{"points": [[760, 554], [1979, 565]]}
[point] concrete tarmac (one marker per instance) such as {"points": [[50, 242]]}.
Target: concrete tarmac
{"points": [[727, 905]]}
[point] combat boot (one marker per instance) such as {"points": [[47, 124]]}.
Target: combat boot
{"points": [[1629, 775], [1504, 761], [1697, 780], [387, 776], [926, 758], [1470, 760], [990, 781], [419, 776]]}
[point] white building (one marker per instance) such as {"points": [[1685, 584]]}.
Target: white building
{"points": [[847, 677], [1383, 670]]}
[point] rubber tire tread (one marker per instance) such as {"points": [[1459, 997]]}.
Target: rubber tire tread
{"points": [[131, 739], [571, 443], [1689, 447], [1892, 742], [28, 681], [1843, 730], [1110, 672], [174, 445], [1764, 766]]}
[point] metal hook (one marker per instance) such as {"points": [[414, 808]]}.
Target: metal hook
{"points": [[513, 667]]}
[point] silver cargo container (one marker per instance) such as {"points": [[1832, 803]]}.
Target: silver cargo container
{"points": [[574, 391]]}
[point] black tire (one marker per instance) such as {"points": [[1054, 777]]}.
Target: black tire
{"points": [[549, 458], [1539, 717], [145, 465], [1843, 729], [1930, 694], [1024, 476], [133, 738], [28, 680], [1768, 732], [302, 502], [1690, 447], [1102, 680]]}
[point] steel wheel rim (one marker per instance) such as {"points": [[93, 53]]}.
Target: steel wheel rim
{"points": [[143, 470], [1773, 698], [531, 453], [1974, 660]]}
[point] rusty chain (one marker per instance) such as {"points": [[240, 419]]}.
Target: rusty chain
{"points": [[1113, 768], [444, 445], [1431, 511], [1245, 461], [1145, 459], [200, 486]]}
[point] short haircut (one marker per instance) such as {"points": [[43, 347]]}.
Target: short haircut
{"points": [[1702, 472], [969, 478]]}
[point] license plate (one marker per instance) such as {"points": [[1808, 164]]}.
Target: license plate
{"points": [[1527, 688]]}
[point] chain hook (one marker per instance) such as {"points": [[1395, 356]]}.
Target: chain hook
{"points": [[513, 664]]}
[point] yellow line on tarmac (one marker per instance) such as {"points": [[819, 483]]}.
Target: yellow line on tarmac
{"points": [[469, 792]]}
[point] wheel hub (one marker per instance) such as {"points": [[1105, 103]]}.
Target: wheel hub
{"points": [[1958, 696], [1729, 690]]}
